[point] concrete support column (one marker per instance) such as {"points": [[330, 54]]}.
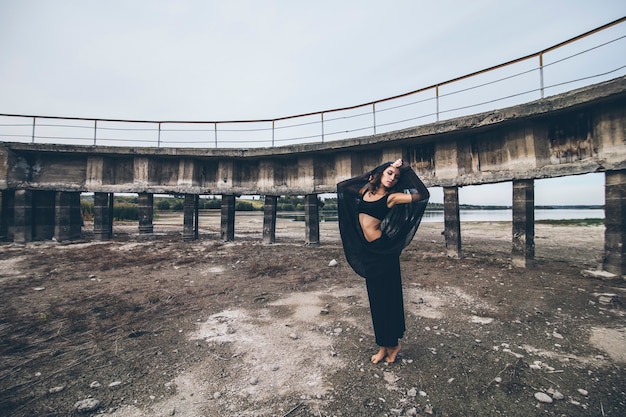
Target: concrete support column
{"points": [[615, 222], [68, 217], [523, 249], [269, 219], [6, 215], [146, 212], [23, 216], [312, 219], [228, 218], [190, 217], [452, 221], [44, 215], [102, 216]]}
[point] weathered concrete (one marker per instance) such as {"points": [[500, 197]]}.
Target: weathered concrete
{"points": [[228, 218], [7, 217], [23, 220], [615, 223], [68, 220], [44, 215], [523, 250], [190, 217], [103, 216], [7, 203], [452, 222], [145, 202], [311, 219], [269, 219]]}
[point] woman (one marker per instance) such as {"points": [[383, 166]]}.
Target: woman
{"points": [[379, 213]]}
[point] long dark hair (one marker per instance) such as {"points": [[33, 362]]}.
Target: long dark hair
{"points": [[375, 177]]}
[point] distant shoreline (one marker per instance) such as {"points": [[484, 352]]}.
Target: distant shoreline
{"points": [[438, 206]]}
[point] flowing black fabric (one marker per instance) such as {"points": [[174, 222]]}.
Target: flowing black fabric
{"points": [[398, 227]]}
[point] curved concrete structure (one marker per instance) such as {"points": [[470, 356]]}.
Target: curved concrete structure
{"points": [[578, 132]]}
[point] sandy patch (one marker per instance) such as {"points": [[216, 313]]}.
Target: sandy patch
{"points": [[305, 333], [611, 341]]}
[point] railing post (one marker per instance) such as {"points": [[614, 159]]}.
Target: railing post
{"points": [[215, 130], [322, 114], [374, 115], [33, 136], [159, 137], [95, 130], [273, 132], [437, 100], [541, 73]]}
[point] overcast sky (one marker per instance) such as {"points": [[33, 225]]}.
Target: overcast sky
{"points": [[225, 60]]}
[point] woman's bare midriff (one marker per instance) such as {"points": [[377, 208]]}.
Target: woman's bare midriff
{"points": [[370, 226]]}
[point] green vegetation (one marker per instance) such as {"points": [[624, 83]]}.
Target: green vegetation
{"points": [[127, 207], [125, 211], [86, 208], [124, 208], [573, 222]]}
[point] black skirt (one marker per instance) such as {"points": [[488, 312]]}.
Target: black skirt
{"points": [[384, 291]]}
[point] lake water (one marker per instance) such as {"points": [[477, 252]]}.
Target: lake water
{"points": [[435, 216], [507, 215]]}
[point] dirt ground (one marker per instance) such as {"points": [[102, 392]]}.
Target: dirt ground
{"points": [[149, 325]]}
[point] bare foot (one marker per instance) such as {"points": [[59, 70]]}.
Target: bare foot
{"points": [[392, 353], [380, 355]]}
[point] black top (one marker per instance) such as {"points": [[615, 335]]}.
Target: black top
{"points": [[377, 209], [398, 225]]}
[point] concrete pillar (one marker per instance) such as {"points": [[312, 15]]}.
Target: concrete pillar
{"points": [[452, 221], [68, 217], [44, 216], [523, 249], [146, 212], [77, 216], [269, 219], [228, 218], [615, 222], [6, 215], [190, 217], [312, 219], [23, 216], [102, 216]]}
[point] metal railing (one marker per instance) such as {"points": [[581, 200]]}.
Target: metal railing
{"points": [[594, 56]]}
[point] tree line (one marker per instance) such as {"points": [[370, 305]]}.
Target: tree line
{"points": [[127, 207]]}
